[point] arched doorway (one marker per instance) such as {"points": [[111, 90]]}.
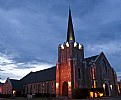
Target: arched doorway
{"points": [[65, 89], [106, 90]]}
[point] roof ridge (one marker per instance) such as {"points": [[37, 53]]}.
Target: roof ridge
{"points": [[91, 56], [14, 79], [44, 69]]}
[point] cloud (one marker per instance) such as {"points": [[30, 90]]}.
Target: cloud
{"points": [[109, 48], [26, 33], [119, 75], [12, 69], [2, 70], [31, 30]]}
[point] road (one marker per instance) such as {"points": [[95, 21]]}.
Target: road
{"points": [[103, 98]]}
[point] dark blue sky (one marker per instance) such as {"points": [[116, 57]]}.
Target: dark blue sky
{"points": [[30, 31]]}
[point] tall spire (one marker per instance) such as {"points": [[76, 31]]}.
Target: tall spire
{"points": [[70, 31]]}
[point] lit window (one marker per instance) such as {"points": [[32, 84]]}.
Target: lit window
{"points": [[104, 86], [67, 44], [57, 85], [42, 84], [96, 95], [69, 84], [14, 92], [94, 84], [91, 94], [101, 94], [111, 87], [93, 73], [119, 89]]}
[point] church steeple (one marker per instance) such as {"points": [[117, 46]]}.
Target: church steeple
{"points": [[70, 31]]}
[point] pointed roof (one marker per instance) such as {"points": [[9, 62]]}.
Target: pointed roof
{"points": [[1, 84], [89, 59], [16, 84], [70, 31], [40, 76]]}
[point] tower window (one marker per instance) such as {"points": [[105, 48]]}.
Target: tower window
{"points": [[105, 67], [79, 73], [62, 56], [67, 54]]}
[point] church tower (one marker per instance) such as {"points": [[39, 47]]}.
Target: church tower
{"points": [[69, 67]]}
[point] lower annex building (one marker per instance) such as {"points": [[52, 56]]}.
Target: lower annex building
{"points": [[72, 71]]}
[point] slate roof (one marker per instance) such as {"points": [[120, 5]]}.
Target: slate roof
{"points": [[1, 84], [89, 59], [40, 76], [47, 74], [16, 84]]}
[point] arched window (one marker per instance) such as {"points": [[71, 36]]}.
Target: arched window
{"points": [[30, 89], [79, 73], [67, 54], [105, 67], [26, 88], [38, 88]]}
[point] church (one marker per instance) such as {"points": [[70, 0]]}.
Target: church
{"points": [[72, 72]]}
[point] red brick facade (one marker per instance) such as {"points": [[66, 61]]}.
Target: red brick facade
{"points": [[41, 87], [99, 74], [1, 84], [7, 87], [70, 61]]}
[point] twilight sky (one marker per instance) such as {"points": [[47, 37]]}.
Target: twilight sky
{"points": [[30, 31]]}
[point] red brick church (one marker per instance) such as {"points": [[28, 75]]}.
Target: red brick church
{"points": [[72, 72]]}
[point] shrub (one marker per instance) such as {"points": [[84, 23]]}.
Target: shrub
{"points": [[81, 93]]}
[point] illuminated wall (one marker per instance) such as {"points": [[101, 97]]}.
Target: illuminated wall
{"points": [[0, 89], [40, 87], [70, 60], [7, 88]]}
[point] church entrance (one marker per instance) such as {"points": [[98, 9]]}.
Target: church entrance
{"points": [[65, 89], [106, 90]]}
